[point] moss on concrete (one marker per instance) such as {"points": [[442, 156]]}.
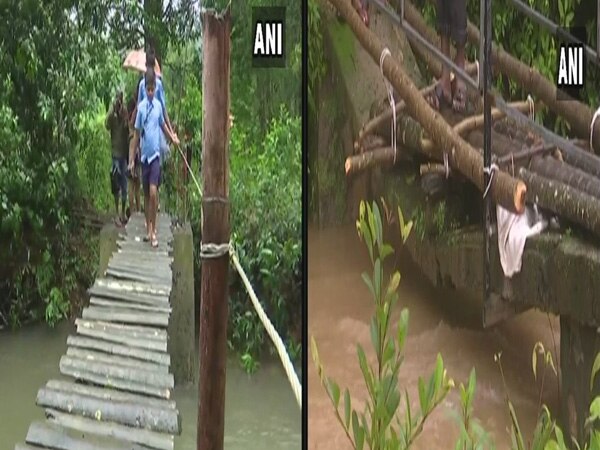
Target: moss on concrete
{"points": [[182, 333], [108, 245]]}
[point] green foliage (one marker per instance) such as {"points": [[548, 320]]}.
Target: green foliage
{"points": [[267, 229], [316, 54], [382, 425], [60, 66]]}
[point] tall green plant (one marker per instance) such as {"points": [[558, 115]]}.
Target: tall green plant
{"points": [[381, 426]]}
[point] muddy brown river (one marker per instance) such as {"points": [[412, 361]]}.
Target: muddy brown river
{"points": [[339, 312], [260, 410]]}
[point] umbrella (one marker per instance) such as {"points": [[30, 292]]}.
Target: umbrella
{"points": [[136, 60]]}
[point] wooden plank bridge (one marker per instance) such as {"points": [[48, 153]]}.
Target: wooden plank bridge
{"points": [[117, 389]]}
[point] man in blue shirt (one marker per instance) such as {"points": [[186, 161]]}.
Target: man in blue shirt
{"points": [[149, 122], [159, 93]]}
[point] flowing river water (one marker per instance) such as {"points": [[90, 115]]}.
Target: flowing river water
{"points": [[260, 411], [339, 312]]}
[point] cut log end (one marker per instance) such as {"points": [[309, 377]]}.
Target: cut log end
{"points": [[520, 195]]}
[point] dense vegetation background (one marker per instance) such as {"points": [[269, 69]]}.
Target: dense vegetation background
{"points": [[60, 67]]}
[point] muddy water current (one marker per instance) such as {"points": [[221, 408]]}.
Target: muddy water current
{"points": [[260, 411], [339, 313]]}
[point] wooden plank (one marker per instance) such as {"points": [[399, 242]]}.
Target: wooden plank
{"points": [[50, 435], [90, 355], [119, 349], [128, 305], [135, 287], [130, 414], [137, 331], [150, 439], [126, 315], [112, 372], [142, 342], [130, 297], [107, 394], [115, 383], [129, 276]]}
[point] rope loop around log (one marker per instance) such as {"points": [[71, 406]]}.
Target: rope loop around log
{"points": [[594, 117], [446, 166], [215, 200], [390, 91], [531, 106], [490, 171], [212, 251]]}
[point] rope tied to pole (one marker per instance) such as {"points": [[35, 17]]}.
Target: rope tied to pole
{"points": [[390, 91], [279, 345], [212, 251], [594, 117], [490, 171]]}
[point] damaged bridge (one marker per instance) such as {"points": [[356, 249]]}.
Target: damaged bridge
{"points": [[521, 167]]}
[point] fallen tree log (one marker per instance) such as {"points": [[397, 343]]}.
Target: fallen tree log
{"points": [[382, 156], [505, 190], [563, 200], [559, 171], [577, 114], [473, 122]]}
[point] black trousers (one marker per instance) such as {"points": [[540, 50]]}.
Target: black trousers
{"points": [[452, 20]]}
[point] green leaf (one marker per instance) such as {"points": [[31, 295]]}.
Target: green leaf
{"points": [[394, 282], [472, 383], [439, 373], [375, 338], [378, 224], [423, 403], [369, 284], [595, 409], [347, 406], [402, 328], [334, 392], [386, 250], [366, 370], [377, 280], [358, 432]]}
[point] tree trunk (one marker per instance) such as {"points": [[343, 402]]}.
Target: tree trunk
{"points": [[382, 156], [556, 170], [563, 200], [505, 190]]}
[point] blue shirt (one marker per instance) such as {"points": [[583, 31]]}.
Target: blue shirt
{"points": [[149, 121], [159, 92]]}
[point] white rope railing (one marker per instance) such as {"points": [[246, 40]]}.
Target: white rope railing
{"points": [[211, 250]]}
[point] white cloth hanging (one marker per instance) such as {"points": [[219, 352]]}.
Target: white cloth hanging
{"points": [[513, 231]]}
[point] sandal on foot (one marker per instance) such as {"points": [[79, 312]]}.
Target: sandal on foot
{"points": [[437, 98], [155, 243], [459, 101], [146, 239]]}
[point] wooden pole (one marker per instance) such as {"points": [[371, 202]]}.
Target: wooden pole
{"points": [[215, 230]]}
